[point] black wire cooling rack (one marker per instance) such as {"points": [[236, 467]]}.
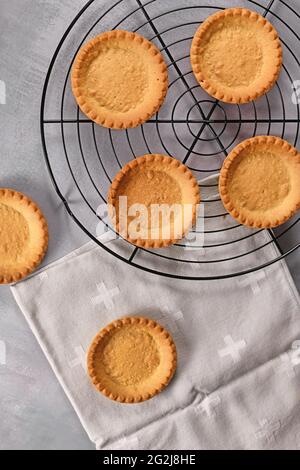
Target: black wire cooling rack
{"points": [[83, 158]]}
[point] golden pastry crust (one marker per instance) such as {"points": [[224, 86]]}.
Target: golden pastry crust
{"points": [[132, 359], [260, 182], [24, 236], [236, 55], [119, 79], [155, 180]]}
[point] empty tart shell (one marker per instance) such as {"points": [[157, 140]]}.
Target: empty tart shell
{"points": [[236, 55], [23, 236], [132, 359], [119, 79], [260, 182], [154, 181]]}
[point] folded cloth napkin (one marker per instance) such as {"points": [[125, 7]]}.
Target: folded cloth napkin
{"points": [[238, 341]]}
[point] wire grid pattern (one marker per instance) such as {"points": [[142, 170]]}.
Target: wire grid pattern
{"points": [[83, 158]]}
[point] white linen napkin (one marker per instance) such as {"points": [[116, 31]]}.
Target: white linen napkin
{"points": [[238, 340]]}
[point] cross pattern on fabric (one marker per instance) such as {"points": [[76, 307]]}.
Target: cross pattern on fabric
{"points": [[232, 349], [209, 405], [80, 359], [173, 318], [295, 356], [43, 276], [173, 321], [105, 296], [2, 353], [268, 430], [253, 281], [288, 364]]}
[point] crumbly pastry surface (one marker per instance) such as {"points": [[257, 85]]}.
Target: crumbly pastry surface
{"points": [[153, 180], [236, 55], [260, 182], [23, 236], [132, 359], [119, 79]]}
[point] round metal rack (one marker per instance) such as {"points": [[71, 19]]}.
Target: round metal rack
{"points": [[82, 158]]}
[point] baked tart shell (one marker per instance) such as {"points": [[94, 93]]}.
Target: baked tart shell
{"points": [[155, 179], [24, 236], [236, 55], [132, 360], [119, 79], [260, 182]]}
